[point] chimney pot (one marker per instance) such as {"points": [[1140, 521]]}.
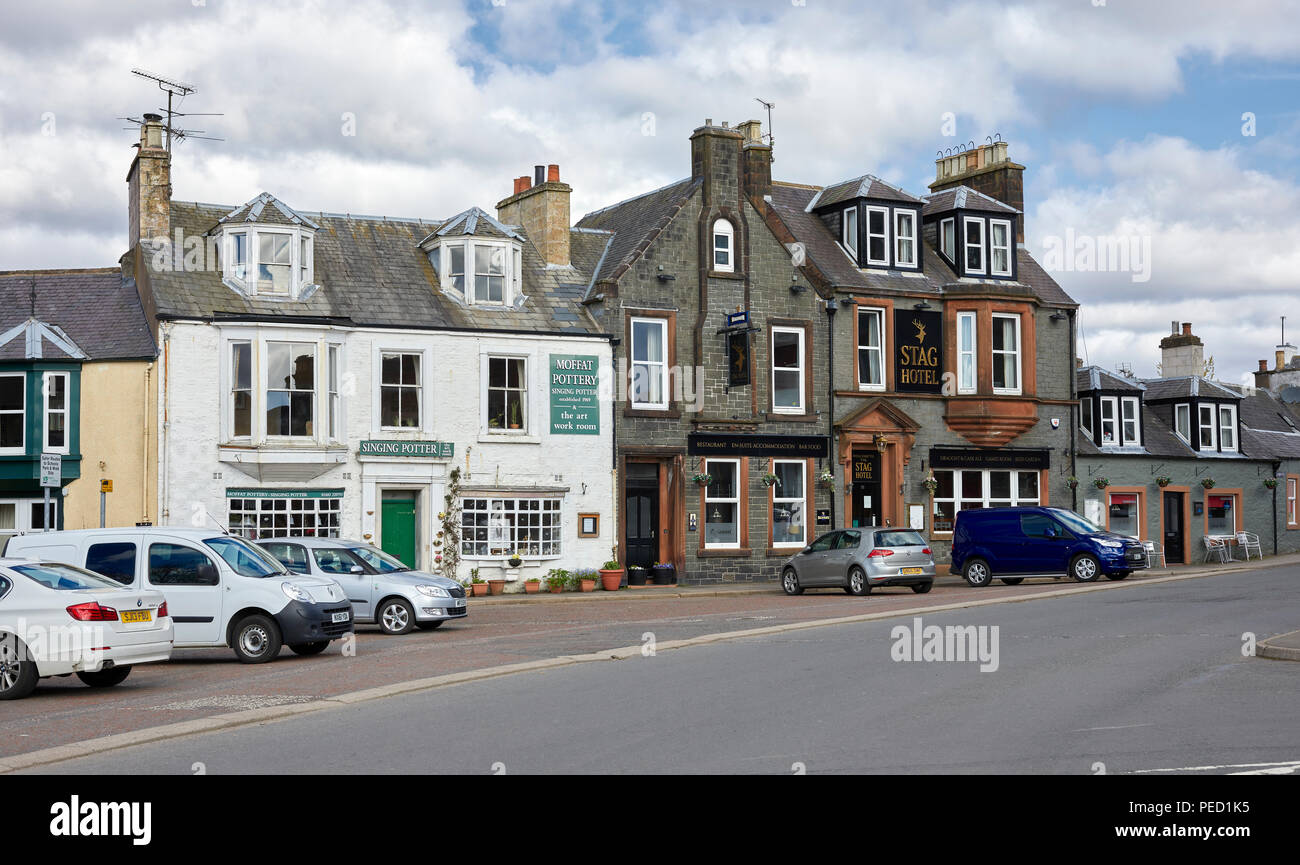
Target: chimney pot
{"points": [[1263, 366], [708, 121], [552, 173], [1173, 328], [1187, 328], [517, 190], [1280, 356], [539, 175]]}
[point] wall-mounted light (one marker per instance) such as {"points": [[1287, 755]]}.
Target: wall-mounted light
{"points": [[1059, 316], [832, 307], [881, 443], [795, 286], [924, 304]]}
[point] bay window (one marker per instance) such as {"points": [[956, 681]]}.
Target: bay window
{"points": [[489, 273], [871, 349], [1006, 353], [281, 389], [290, 388], [649, 386], [456, 266], [966, 356], [722, 504], [789, 503], [878, 235], [477, 271], [241, 389], [788, 370], [55, 388], [904, 238], [1000, 247], [275, 262], [13, 413]]}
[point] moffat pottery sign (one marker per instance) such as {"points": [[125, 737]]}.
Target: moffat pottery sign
{"points": [[918, 358]]}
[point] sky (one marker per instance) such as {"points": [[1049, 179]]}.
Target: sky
{"points": [[1172, 130]]}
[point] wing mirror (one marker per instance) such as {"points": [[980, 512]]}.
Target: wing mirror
{"points": [[356, 569]]}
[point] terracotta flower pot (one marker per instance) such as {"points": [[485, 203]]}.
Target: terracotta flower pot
{"points": [[480, 589], [555, 590], [587, 585], [532, 587], [496, 587], [610, 580]]}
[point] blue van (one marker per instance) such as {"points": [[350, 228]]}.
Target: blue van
{"points": [[1014, 543]]}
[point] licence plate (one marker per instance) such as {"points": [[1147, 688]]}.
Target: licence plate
{"points": [[460, 602], [341, 617], [909, 572], [137, 616]]}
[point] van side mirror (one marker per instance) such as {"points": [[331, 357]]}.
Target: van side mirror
{"points": [[207, 574]]}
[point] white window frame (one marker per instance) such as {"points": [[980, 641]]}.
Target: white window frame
{"points": [[662, 364], [418, 387], [1086, 424], [511, 276], [46, 411], [908, 216], [1183, 421], [1292, 506], [502, 536], [800, 370], [1227, 431], [301, 254], [883, 236], [1017, 352], [984, 500], [967, 222], [232, 388], [527, 421], [1127, 403], [1212, 425], [722, 228], [1109, 416], [879, 350], [244, 521], [948, 244], [780, 496], [994, 248], [472, 294], [259, 373], [705, 501], [22, 413], [333, 398], [968, 351], [849, 239], [317, 380]]}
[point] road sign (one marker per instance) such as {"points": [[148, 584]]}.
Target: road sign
{"points": [[51, 470], [105, 486]]}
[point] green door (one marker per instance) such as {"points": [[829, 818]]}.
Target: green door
{"points": [[397, 526]]}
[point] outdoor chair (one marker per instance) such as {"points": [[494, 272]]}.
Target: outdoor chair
{"points": [[1217, 547], [1248, 542], [1154, 551]]}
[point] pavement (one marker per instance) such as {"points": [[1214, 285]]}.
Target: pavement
{"points": [[1283, 647], [208, 689]]}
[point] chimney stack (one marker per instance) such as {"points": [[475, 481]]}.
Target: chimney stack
{"points": [[755, 162], [987, 169], [542, 209], [1182, 354], [149, 185]]}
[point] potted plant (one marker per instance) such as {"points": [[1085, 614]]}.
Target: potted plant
{"points": [[1072, 482], [556, 580], [1163, 481], [664, 573], [931, 483], [497, 586], [1270, 483], [533, 585], [480, 587], [513, 559], [611, 575], [769, 480], [584, 579], [1208, 483], [827, 478], [514, 416], [1101, 483], [636, 575], [702, 478]]}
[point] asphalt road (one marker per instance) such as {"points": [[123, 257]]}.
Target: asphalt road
{"points": [[1148, 678]]}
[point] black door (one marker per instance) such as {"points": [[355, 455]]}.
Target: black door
{"points": [[1175, 539], [642, 510], [866, 488]]}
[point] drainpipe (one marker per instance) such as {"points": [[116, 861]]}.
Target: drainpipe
{"points": [[831, 308], [164, 511], [1277, 467], [1074, 472], [144, 456]]}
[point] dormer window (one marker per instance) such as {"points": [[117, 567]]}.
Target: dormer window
{"points": [[878, 236], [974, 230], [1000, 247], [1228, 427], [268, 262], [494, 279], [724, 236], [1183, 421], [489, 273], [849, 232], [948, 238], [905, 238], [1205, 416]]}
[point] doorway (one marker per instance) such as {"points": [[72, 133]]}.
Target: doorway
{"points": [[1175, 539], [397, 525], [866, 488], [642, 514]]}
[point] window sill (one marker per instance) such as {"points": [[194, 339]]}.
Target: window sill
{"points": [[724, 553], [522, 438], [784, 552], [776, 417], [665, 413], [725, 274]]}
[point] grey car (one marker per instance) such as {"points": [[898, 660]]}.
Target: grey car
{"points": [[380, 587], [858, 560]]}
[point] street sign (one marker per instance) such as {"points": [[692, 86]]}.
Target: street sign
{"points": [[735, 319], [105, 486], [51, 470]]}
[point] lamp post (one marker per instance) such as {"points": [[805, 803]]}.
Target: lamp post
{"points": [[831, 308]]}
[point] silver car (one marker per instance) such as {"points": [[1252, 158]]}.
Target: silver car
{"points": [[381, 588], [857, 560]]}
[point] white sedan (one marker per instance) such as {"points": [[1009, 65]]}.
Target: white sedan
{"points": [[56, 620]]}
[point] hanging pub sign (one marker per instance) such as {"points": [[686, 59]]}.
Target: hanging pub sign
{"points": [[918, 355], [738, 358]]}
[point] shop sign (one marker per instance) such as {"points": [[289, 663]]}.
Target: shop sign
{"points": [[918, 356], [260, 493], [575, 394], [735, 445], [429, 450], [980, 458]]}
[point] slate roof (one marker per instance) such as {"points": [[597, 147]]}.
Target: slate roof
{"points": [[266, 209], [635, 223], [962, 197], [372, 272], [1270, 427], [790, 205], [866, 186], [1095, 378], [1184, 387], [97, 310]]}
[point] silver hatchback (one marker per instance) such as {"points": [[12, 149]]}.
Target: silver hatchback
{"points": [[381, 588], [858, 560]]}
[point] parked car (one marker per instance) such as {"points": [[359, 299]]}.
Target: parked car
{"points": [[56, 620], [381, 587], [1014, 543], [221, 590], [858, 560]]}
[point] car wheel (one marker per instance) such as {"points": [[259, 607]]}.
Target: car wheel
{"points": [[1085, 568], [17, 670], [306, 649], [923, 589], [428, 626], [395, 617], [256, 639], [790, 582], [858, 584], [1118, 576], [106, 678], [1012, 581], [977, 573]]}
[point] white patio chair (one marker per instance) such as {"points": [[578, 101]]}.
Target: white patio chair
{"points": [[1154, 551], [1249, 541], [1217, 547]]}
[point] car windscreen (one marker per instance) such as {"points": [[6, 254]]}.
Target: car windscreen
{"points": [[65, 577], [1074, 522], [379, 560], [899, 538], [336, 560], [246, 559]]}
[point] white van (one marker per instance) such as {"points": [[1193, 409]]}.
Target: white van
{"points": [[221, 590]]}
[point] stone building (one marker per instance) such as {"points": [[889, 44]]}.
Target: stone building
{"points": [[1182, 457]]}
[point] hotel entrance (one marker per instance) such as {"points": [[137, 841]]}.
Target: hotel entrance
{"points": [[866, 488]]}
